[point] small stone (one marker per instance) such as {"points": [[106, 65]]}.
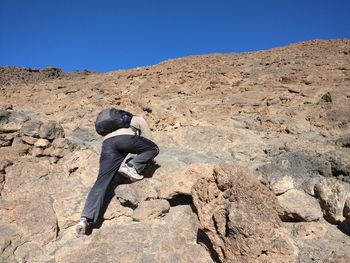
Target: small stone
{"points": [[61, 143], [282, 185], [38, 152], [42, 143], [59, 153], [29, 140]]}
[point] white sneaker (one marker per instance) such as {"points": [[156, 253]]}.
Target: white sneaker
{"points": [[130, 172], [81, 227]]}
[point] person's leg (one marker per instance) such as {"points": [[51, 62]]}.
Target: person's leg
{"points": [[146, 151], [110, 162]]}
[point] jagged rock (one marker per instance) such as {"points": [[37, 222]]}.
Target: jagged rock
{"points": [[151, 209], [42, 143], [299, 206], [308, 186], [133, 194], [332, 195], [51, 130], [282, 185], [240, 217]]}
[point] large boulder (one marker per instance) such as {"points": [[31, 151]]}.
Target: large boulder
{"points": [[332, 195], [241, 217]]}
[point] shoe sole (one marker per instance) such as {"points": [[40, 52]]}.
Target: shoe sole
{"points": [[129, 177]]}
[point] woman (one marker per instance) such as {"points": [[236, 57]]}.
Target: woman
{"points": [[116, 145]]}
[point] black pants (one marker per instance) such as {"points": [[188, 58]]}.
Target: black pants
{"points": [[114, 150]]}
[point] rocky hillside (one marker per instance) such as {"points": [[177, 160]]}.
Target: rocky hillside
{"points": [[254, 163]]}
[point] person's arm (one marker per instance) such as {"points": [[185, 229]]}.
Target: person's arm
{"points": [[141, 124]]}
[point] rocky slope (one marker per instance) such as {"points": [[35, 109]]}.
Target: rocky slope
{"points": [[254, 163]]}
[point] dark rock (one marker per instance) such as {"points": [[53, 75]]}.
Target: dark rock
{"points": [[326, 98], [51, 130], [4, 116], [299, 165], [31, 128]]}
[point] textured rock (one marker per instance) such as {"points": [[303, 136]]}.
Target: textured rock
{"points": [[141, 242], [136, 192], [42, 143], [51, 130], [151, 209], [240, 216], [282, 185], [31, 128], [332, 195], [180, 181], [299, 206], [40, 226]]}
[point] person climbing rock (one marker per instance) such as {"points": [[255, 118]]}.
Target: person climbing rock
{"points": [[124, 134]]}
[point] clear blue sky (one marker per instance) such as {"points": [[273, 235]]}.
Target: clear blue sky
{"points": [[107, 35]]}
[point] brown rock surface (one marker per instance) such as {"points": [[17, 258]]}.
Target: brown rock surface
{"points": [[240, 216], [282, 113], [332, 195]]}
